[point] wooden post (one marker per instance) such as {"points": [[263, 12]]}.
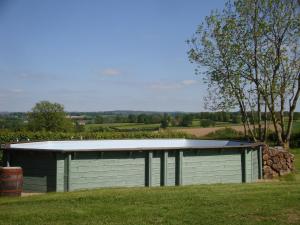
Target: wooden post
{"points": [[67, 172], [6, 158], [244, 166], [251, 164], [149, 169], [260, 162], [179, 160], [164, 169]]}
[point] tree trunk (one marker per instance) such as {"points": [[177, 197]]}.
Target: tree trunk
{"points": [[265, 124], [286, 144], [293, 105]]}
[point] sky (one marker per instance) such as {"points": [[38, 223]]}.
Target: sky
{"points": [[99, 55]]}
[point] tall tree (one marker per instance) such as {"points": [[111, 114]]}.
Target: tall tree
{"points": [[47, 116], [250, 52]]}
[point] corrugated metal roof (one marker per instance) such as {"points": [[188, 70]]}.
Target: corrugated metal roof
{"points": [[128, 145]]}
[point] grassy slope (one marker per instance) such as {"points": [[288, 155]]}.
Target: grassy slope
{"points": [[257, 203]]}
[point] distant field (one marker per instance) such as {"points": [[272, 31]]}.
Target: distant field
{"points": [[197, 123], [195, 129], [89, 127], [203, 131]]}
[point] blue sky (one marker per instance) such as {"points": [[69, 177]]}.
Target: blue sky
{"points": [[100, 55]]}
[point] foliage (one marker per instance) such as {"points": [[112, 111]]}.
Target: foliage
{"points": [[294, 142], [123, 129], [250, 51], [297, 116], [207, 123], [47, 116], [187, 120], [132, 118], [78, 127], [237, 119], [12, 123], [8, 136], [226, 134], [165, 121], [99, 119], [135, 129], [101, 129]]}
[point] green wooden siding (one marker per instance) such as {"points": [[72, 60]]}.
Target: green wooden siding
{"points": [[44, 171], [179, 167], [60, 172], [255, 169], [171, 168], [249, 166], [39, 170], [108, 169], [156, 169], [211, 166]]}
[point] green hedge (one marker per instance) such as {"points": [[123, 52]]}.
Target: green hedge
{"points": [[226, 134], [294, 141], [8, 136], [232, 134], [119, 129]]}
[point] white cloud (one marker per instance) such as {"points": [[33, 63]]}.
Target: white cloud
{"points": [[36, 76], [165, 86], [188, 82], [12, 92], [172, 85], [16, 90], [111, 72]]}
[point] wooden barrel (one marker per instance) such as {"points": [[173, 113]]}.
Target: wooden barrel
{"points": [[11, 181]]}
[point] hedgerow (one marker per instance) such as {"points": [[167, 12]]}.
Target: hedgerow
{"points": [[23, 136], [225, 134]]}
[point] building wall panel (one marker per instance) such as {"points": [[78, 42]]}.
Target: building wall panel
{"points": [[109, 169], [211, 166]]}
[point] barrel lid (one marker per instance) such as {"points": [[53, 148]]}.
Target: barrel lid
{"points": [[9, 168]]}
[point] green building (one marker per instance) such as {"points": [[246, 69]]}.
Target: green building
{"points": [[73, 165]]}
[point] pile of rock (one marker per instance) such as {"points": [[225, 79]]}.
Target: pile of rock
{"points": [[277, 162]]}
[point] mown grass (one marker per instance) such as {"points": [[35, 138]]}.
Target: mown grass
{"points": [[256, 203]]}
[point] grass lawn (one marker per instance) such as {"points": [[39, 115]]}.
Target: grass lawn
{"points": [[256, 203]]}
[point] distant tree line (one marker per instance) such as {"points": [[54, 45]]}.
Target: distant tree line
{"points": [[47, 116]]}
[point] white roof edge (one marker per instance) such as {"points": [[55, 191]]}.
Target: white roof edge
{"points": [[128, 144]]}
